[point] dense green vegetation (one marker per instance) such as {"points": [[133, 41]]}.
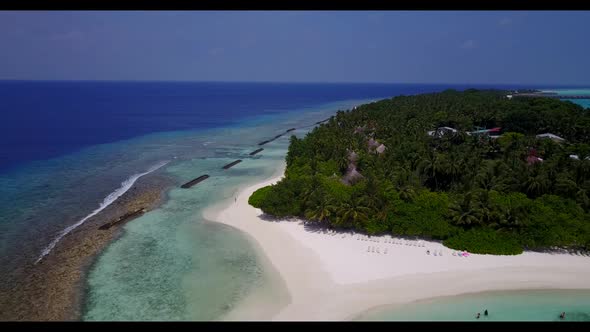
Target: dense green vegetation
{"points": [[474, 192]]}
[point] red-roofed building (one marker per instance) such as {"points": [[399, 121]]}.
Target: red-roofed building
{"points": [[532, 158]]}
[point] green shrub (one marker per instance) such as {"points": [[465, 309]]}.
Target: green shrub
{"points": [[257, 198], [485, 241]]}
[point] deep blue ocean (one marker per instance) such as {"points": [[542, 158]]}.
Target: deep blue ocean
{"points": [[69, 148], [46, 119]]}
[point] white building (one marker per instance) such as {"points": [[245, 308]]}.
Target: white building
{"points": [[551, 136], [442, 130], [576, 157]]}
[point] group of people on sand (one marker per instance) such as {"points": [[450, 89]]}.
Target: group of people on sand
{"points": [[485, 313]]}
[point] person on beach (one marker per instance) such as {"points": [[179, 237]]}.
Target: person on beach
{"points": [[235, 199], [562, 316], [485, 313], [427, 252], [477, 315]]}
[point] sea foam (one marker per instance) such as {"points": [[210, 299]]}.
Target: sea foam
{"points": [[125, 186]]}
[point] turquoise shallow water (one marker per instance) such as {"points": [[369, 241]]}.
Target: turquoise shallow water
{"points": [[529, 305], [578, 92], [171, 263]]}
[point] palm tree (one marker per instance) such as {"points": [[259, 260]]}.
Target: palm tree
{"points": [[583, 199], [464, 213], [565, 186], [353, 211], [407, 194], [490, 177], [322, 211], [454, 167], [581, 171], [432, 167], [459, 137], [536, 185]]}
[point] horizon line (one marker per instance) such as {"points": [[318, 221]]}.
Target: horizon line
{"points": [[289, 82]]}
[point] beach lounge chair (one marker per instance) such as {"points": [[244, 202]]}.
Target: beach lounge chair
{"points": [[454, 253], [435, 253], [385, 251], [368, 248], [440, 254], [378, 250]]}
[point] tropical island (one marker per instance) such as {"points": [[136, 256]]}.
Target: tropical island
{"points": [[480, 171]]}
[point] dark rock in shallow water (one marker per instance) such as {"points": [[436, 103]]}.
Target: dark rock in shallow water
{"points": [[233, 163], [195, 181], [255, 151], [123, 218], [264, 142]]}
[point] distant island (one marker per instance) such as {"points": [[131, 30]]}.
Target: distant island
{"points": [[479, 170]]}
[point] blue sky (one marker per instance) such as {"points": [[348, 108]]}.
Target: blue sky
{"points": [[288, 46]]}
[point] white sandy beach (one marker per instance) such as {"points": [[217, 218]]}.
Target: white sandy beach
{"points": [[335, 277]]}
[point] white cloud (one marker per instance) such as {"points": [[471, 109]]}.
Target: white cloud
{"points": [[469, 44]]}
